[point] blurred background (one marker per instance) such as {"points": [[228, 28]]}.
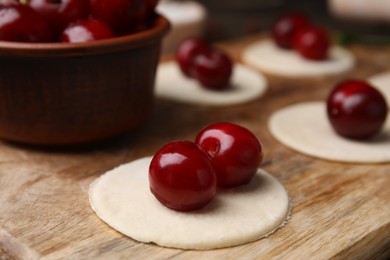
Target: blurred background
{"points": [[358, 20]]}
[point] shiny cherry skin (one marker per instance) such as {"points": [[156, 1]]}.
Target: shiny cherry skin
{"points": [[181, 176], [59, 13], [235, 151], [86, 30], [356, 110], [186, 53], [285, 28], [124, 16], [213, 69], [312, 43], [21, 24]]}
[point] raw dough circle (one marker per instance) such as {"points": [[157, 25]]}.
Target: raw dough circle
{"points": [[267, 57], [122, 199], [382, 83], [246, 85], [305, 128]]}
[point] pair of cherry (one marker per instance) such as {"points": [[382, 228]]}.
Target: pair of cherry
{"points": [[294, 31], [184, 175], [71, 20], [209, 65]]}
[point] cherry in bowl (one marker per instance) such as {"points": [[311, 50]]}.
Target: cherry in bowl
{"points": [[19, 23], [182, 177], [124, 16], [85, 30], [236, 153], [59, 13], [356, 110]]}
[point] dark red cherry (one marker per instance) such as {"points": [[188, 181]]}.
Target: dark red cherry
{"points": [[181, 176], [59, 13], [186, 53], [356, 110], [312, 43], [235, 151], [124, 16], [285, 28], [4, 3], [213, 69], [150, 7], [21, 24], [86, 30]]}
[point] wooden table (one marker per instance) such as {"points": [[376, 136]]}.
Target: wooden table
{"points": [[339, 210]]}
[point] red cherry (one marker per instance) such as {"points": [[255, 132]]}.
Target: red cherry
{"points": [[235, 151], [124, 16], [312, 43], [86, 30], [286, 27], [213, 69], [356, 110], [9, 2], [59, 13], [186, 52], [150, 7], [21, 24], [181, 176]]}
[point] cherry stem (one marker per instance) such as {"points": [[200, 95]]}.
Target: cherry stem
{"points": [[25, 2]]}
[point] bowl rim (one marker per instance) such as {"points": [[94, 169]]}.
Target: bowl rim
{"points": [[159, 28]]}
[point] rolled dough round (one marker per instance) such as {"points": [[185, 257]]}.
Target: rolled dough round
{"points": [[246, 85], [122, 199], [269, 58], [305, 128]]}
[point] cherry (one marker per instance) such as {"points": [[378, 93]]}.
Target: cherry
{"points": [[235, 151], [186, 52], [312, 43], [181, 176], [213, 69], [150, 7], [21, 24], [59, 13], [199, 60], [124, 16], [356, 110], [286, 27], [86, 30]]}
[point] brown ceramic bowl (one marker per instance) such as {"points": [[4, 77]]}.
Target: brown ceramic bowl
{"points": [[62, 94]]}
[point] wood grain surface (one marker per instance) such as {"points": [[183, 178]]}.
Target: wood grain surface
{"points": [[339, 210]]}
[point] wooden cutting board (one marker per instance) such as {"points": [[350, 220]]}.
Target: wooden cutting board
{"points": [[338, 210]]}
